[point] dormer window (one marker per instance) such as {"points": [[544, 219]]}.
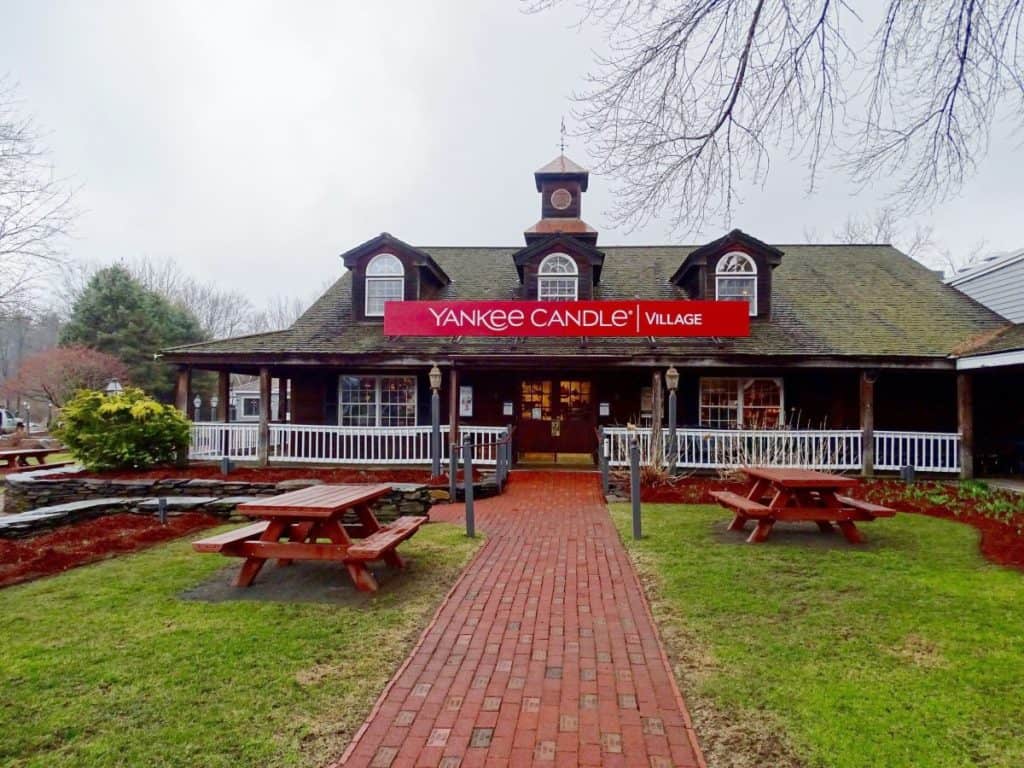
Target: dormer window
{"points": [[385, 281], [558, 279], [736, 280]]}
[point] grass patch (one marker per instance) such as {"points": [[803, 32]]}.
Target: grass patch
{"points": [[106, 666], [907, 651]]}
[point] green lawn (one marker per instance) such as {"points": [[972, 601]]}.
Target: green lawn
{"points": [[908, 651], [106, 666]]}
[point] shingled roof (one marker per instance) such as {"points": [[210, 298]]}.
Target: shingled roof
{"points": [[828, 301]]}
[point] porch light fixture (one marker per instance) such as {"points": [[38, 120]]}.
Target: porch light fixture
{"points": [[672, 379], [113, 388], [435, 378]]}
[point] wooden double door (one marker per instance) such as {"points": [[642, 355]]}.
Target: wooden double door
{"points": [[556, 416]]}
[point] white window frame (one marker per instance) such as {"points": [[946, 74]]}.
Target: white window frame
{"points": [[382, 275], [377, 404], [545, 277], [741, 383], [246, 398], [721, 273]]}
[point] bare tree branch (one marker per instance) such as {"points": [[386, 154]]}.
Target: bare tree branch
{"points": [[692, 95], [36, 211]]}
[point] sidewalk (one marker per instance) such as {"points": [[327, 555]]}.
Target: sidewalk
{"points": [[544, 653]]}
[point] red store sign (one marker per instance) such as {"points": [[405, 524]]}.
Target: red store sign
{"points": [[566, 318]]}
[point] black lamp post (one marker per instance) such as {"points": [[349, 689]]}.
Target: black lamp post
{"points": [[435, 421], [672, 382]]}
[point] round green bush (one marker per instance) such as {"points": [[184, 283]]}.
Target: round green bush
{"points": [[125, 431]]}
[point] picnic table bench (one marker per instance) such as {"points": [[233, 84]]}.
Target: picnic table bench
{"points": [[798, 495], [308, 525], [15, 459]]}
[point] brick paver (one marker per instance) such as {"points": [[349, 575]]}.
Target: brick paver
{"points": [[543, 654]]}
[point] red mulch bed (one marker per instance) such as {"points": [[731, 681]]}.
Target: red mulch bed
{"points": [[79, 543], [1002, 540], [277, 474]]}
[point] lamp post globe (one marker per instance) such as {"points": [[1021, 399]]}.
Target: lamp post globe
{"points": [[672, 378], [113, 388], [435, 378]]}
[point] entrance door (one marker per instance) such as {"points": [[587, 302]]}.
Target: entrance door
{"points": [[556, 418]]}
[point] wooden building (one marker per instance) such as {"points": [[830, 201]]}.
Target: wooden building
{"points": [[852, 350]]}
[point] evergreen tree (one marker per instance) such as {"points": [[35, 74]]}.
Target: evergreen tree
{"points": [[117, 315]]}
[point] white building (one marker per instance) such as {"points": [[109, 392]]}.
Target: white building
{"points": [[245, 400], [997, 282]]}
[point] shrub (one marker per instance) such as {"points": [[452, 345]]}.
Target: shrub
{"points": [[128, 430]]}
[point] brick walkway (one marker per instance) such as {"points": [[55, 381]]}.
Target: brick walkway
{"points": [[544, 653]]}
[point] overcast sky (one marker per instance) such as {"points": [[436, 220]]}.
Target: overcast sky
{"points": [[253, 142]]}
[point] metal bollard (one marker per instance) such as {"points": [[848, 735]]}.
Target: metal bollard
{"points": [[634, 485], [161, 510], [602, 455], [453, 470], [467, 471]]}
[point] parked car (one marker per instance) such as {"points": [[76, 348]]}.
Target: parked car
{"points": [[8, 421]]}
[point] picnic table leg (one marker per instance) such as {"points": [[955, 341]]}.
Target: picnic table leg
{"points": [[757, 490], [298, 532], [252, 565], [849, 530], [357, 571], [361, 577], [739, 522], [368, 519], [760, 533], [392, 558]]}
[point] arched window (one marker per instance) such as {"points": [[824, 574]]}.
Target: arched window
{"points": [[736, 280], [558, 279], [385, 281]]}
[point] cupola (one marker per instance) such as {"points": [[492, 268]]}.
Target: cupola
{"points": [[561, 184]]}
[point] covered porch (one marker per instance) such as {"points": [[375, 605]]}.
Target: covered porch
{"points": [[848, 418]]}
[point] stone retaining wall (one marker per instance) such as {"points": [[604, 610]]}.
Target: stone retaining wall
{"points": [[30, 490]]}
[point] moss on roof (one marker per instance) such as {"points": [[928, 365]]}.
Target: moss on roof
{"points": [[828, 300], [1008, 339]]}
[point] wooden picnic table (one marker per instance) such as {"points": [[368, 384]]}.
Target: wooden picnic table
{"points": [[11, 458], [297, 523], [777, 494]]}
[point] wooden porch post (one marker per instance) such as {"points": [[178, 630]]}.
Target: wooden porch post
{"points": [[867, 422], [182, 389], [453, 406], [965, 423], [282, 399], [263, 442], [223, 396], [656, 409]]}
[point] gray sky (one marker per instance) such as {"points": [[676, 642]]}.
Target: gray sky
{"points": [[253, 142]]}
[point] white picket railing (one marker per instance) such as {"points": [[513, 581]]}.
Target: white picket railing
{"points": [[924, 451], [210, 440], [830, 449], [485, 449], [313, 444]]}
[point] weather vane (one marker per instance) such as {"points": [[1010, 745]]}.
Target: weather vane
{"points": [[562, 142]]}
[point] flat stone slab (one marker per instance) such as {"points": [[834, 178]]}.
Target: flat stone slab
{"points": [[43, 472], [41, 518]]}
